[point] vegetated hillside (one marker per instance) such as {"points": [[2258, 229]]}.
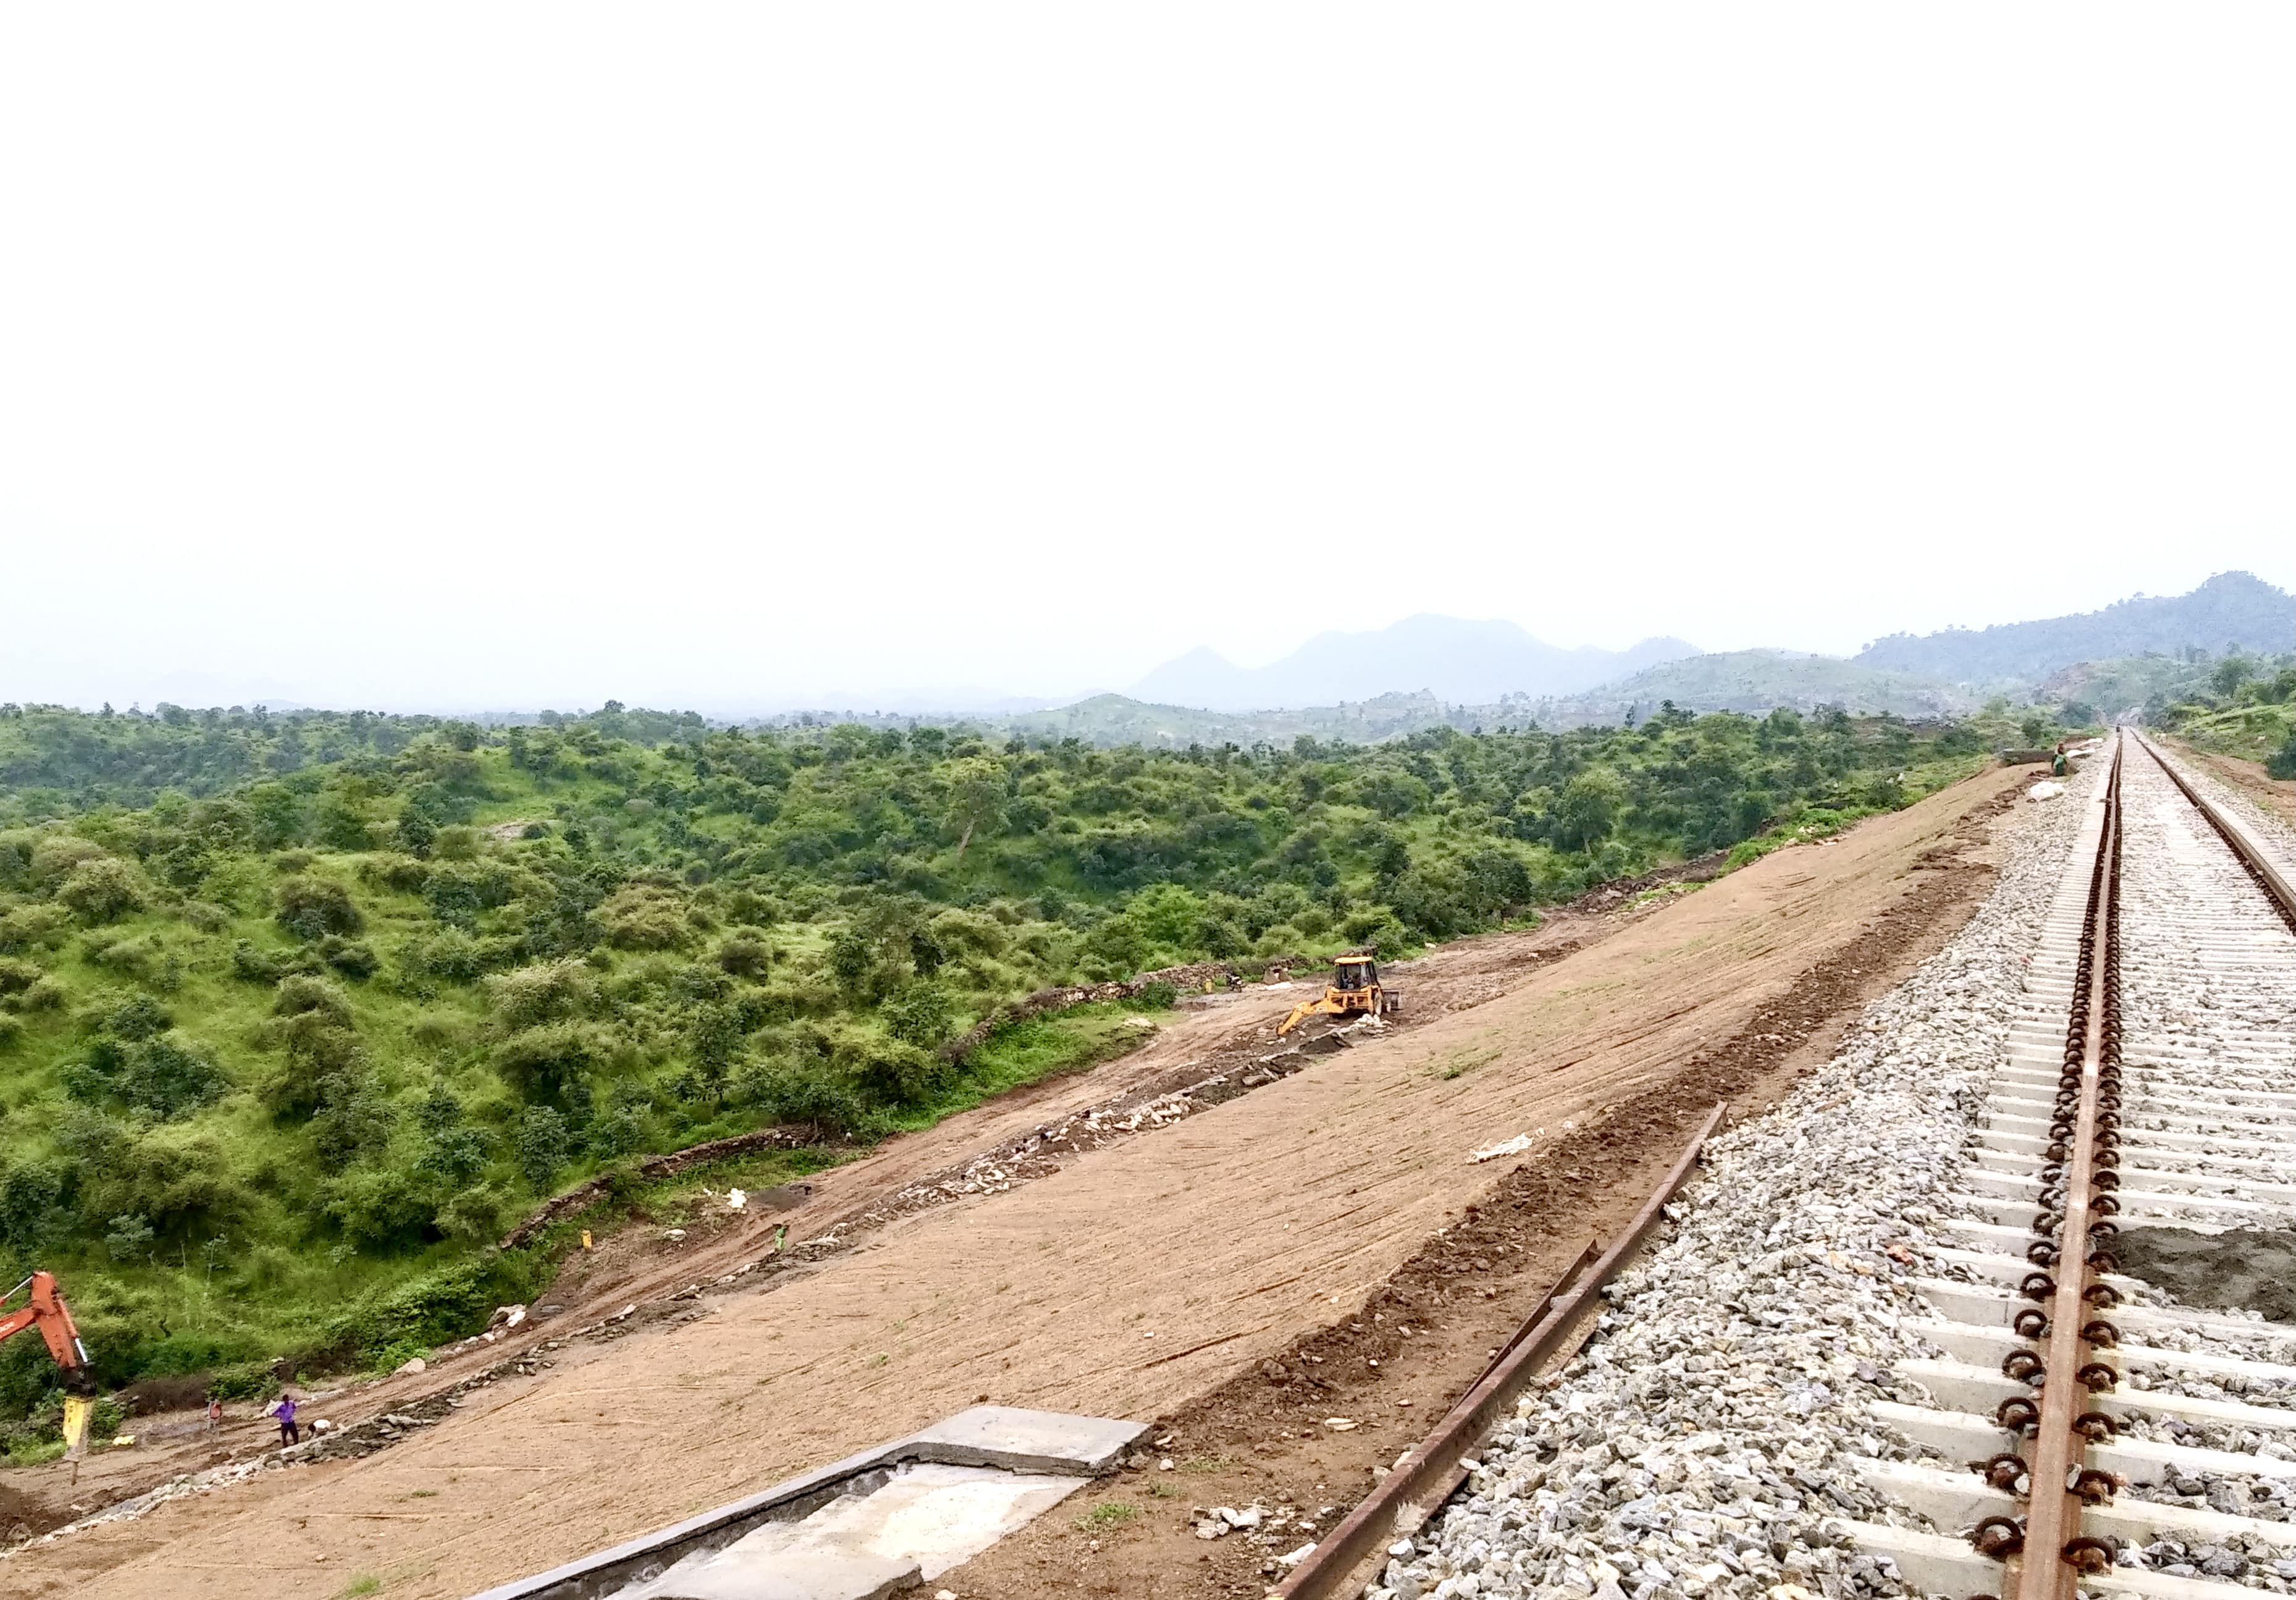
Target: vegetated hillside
{"points": [[279, 1061], [54, 761], [1755, 681], [2144, 685], [2230, 612], [1112, 719], [1450, 658], [2239, 706]]}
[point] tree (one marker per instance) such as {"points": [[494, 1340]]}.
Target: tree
{"points": [[551, 1062], [920, 1015], [543, 1145], [1499, 882], [976, 797], [128, 1239], [1589, 809]]}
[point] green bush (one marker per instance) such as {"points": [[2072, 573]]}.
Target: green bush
{"points": [[45, 994], [311, 908], [351, 957], [644, 916], [2281, 763], [746, 956], [252, 966], [544, 1144], [56, 857], [448, 1302], [245, 1381], [101, 891], [783, 1093], [920, 1015]]}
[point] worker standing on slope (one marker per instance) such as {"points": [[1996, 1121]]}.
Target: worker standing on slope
{"points": [[285, 1411], [2058, 763]]}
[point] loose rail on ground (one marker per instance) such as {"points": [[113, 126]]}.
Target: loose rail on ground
{"points": [[1428, 1475]]}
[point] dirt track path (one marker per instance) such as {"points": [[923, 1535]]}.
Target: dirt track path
{"points": [[1136, 1279]]}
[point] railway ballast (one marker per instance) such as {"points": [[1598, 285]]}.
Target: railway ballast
{"points": [[1890, 1346]]}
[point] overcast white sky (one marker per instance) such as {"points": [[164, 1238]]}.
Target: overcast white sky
{"points": [[501, 356]]}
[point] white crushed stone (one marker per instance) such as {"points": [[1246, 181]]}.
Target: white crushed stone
{"points": [[1703, 1443]]}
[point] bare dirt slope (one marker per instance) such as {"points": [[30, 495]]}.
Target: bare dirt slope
{"points": [[1210, 1034], [1138, 1277]]}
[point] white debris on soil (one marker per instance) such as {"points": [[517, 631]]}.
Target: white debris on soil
{"points": [[1702, 1445], [1513, 1146], [2045, 790]]}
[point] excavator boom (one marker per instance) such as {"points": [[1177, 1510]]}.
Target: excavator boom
{"points": [[47, 1312]]}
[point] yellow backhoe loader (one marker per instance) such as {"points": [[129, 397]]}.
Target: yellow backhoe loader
{"points": [[1355, 990]]}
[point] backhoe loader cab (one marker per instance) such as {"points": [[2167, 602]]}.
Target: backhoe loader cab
{"points": [[1355, 990]]}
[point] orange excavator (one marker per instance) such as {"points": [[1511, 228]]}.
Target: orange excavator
{"points": [[1355, 990], [48, 1313]]}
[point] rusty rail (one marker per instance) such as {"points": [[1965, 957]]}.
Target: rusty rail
{"points": [[2072, 1235], [2268, 874], [1427, 1477]]}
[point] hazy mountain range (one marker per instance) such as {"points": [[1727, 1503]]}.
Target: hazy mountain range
{"points": [[1456, 662], [2233, 610], [1430, 670], [1496, 668], [1756, 681]]}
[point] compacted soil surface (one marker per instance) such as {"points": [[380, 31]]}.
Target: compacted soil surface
{"points": [[2239, 1270], [1227, 1260]]}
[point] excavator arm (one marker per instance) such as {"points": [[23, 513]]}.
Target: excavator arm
{"points": [[1322, 1005], [47, 1312]]}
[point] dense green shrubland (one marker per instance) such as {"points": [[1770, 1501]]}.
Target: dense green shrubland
{"points": [[2240, 705], [299, 1012]]}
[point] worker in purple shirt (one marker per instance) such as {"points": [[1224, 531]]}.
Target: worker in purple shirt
{"points": [[288, 1433]]}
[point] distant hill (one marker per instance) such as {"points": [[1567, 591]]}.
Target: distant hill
{"points": [[2118, 687], [1754, 681], [1118, 720], [2233, 610], [1454, 660]]}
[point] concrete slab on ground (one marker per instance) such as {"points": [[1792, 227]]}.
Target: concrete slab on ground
{"points": [[1025, 1441], [915, 1525]]}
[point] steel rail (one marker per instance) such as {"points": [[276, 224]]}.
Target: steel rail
{"points": [[2269, 874], [2072, 1229], [1428, 1475]]}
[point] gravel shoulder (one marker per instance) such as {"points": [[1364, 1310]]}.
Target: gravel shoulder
{"points": [[2261, 796], [1137, 1279], [1706, 1440]]}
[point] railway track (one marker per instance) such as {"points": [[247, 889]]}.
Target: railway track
{"points": [[2114, 1443], [1995, 1406]]}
